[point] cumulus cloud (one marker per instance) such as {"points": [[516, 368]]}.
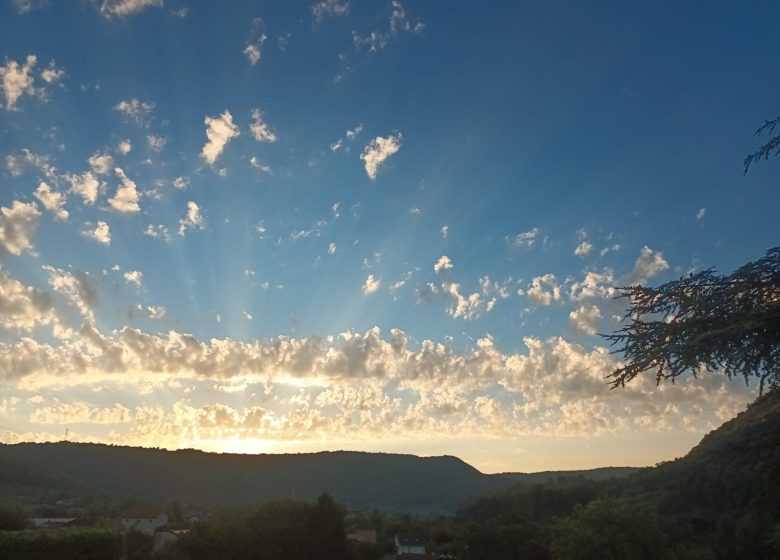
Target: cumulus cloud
{"points": [[398, 22], [585, 319], [377, 151], [260, 129], [123, 8], [102, 164], [156, 312], [371, 285], [526, 239], [583, 249], [444, 231], [219, 131], [18, 225], [126, 197], [134, 277], [466, 307], [78, 287], [181, 182], [700, 214], [331, 248], [23, 308], [80, 412], [17, 80], [595, 285], [328, 8], [52, 200], [87, 186], [157, 230], [136, 110], [124, 147], [193, 219], [156, 143], [252, 53], [19, 162], [443, 264], [544, 290], [649, 264], [101, 233]]}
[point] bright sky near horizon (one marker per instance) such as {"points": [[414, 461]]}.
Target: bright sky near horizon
{"points": [[382, 225]]}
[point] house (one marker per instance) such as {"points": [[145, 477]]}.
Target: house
{"points": [[362, 535], [145, 519], [52, 522], [405, 544]]}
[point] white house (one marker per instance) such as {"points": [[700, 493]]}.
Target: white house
{"points": [[144, 519]]}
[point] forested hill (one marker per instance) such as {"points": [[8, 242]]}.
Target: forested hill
{"points": [[360, 480]]}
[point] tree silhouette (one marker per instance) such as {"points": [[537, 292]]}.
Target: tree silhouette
{"points": [[770, 148]]}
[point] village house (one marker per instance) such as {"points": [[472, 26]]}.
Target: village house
{"points": [[405, 544], [145, 519]]}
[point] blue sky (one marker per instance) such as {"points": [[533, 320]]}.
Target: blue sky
{"points": [[285, 226]]}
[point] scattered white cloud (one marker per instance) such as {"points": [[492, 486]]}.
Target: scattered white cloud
{"points": [[583, 249], [101, 233], [371, 285], [181, 182], [595, 285], [445, 231], [328, 8], [700, 214], [51, 74], [415, 211], [136, 110], [19, 162], [219, 131], [544, 290], [124, 147], [257, 164], [398, 22], [78, 287], [260, 129], [527, 238], [52, 200], [24, 308], [156, 313], [585, 319], [157, 231], [378, 150], [66, 413], [102, 164], [466, 307], [126, 197], [248, 316], [27, 6], [17, 80], [156, 143], [18, 225], [649, 264], [443, 264], [134, 277], [331, 248], [86, 186], [123, 8], [193, 219]]}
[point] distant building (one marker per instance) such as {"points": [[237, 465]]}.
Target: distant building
{"points": [[53, 522], [405, 544], [144, 519], [362, 535]]}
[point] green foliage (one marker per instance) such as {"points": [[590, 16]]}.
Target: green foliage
{"points": [[705, 321], [138, 545], [607, 530], [12, 518], [91, 543]]}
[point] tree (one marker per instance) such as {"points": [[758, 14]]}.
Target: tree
{"points": [[770, 147], [705, 321]]}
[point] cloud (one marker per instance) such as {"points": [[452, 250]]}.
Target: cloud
{"points": [[467, 307], [51, 75], [126, 197], [134, 277], [260, 129], [124, 147], [219, 131], [102, 164], [398, 22], [700, 214], [247, 315], [101, 233], [377, 151], [649, 264], [526, 239], [371, 285], [181, 183], [19, 162], [123, 8], [24, 308], [158, 230], [86, 186], [78, 287], [17, 80], [443, 264], [27, 6], [52, 200], [445, 231], [193, 219], [135, 110], [349, 136], [595, 285], [256, 164], [80, 413], [328, 8], [156, 313], [583, 249], [331, 248], [18, 225], [585, 319], [156, 143], [544, 290]]}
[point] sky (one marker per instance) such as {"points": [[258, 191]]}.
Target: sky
{"points": [[397, 226]]}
